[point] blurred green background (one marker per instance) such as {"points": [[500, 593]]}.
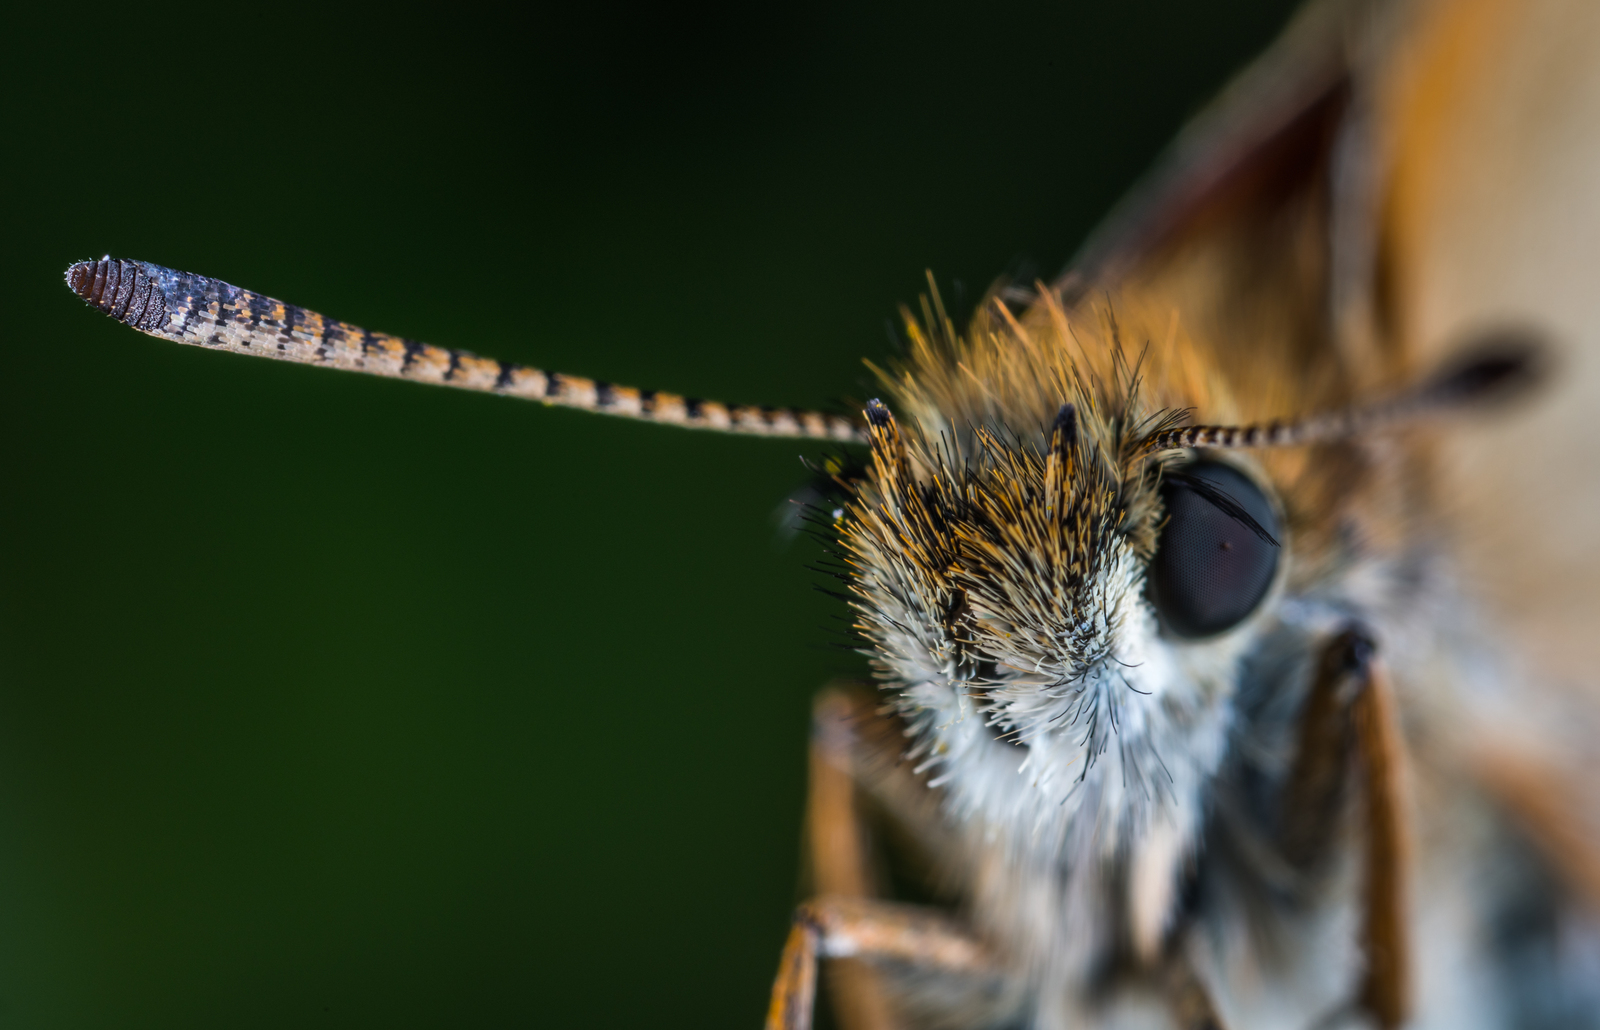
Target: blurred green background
{"points": [[328, 701]]}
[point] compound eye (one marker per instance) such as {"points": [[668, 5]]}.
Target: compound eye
{"points": [[1217, 553]]}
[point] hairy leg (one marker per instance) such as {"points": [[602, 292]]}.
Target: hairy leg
{"points": [[838, 851], [1350, 719], [854, 927]]}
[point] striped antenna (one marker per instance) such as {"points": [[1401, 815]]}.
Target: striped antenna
{"points": [[1501, 364], [210, 313]]}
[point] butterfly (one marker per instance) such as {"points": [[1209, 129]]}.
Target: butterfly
{"points": [[1180, 713]]}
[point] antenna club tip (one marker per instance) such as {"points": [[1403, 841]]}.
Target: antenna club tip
{"points": [[878, 414], [1502, 362], [81, 276], [125, 290]]}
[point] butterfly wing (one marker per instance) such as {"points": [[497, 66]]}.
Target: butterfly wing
{"points": [[1491, 218]]}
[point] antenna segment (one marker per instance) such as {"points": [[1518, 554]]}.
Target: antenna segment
{"points": [[1498, 365], [209, 313]]}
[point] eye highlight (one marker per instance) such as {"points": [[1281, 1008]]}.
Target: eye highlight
{"points": [[1217, 553]]}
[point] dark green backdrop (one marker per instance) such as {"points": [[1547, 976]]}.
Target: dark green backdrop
{"points": [[331, 701]]}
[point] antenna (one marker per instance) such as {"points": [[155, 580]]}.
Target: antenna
{"points": [[1498, 365], [204, 312]]}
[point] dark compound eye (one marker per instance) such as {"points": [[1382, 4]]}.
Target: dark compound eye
{"points": [[1217, 553]]}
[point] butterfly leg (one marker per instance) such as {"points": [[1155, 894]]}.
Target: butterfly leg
{"points": [[1351, 710], [851, 742], [839, 927], [838, 850], [1547, 801]]}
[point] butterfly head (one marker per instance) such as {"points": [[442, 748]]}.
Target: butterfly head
{"points": [[1063, 605]]}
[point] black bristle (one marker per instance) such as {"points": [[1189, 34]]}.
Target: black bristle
{"points": [[1067, 425]]}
